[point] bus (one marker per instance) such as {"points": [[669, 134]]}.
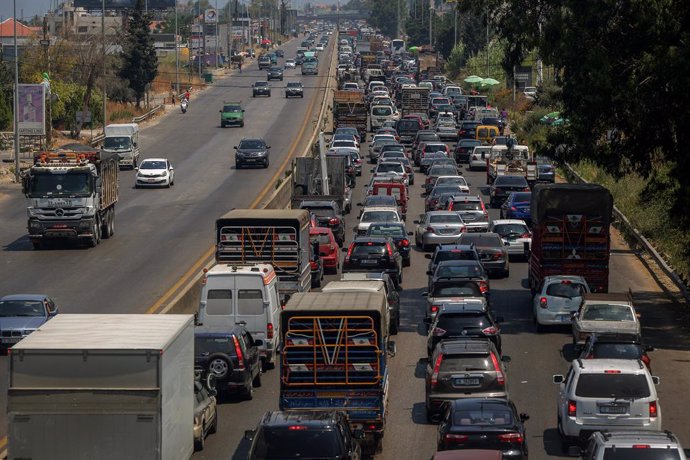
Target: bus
{"points": [[397, 46]]}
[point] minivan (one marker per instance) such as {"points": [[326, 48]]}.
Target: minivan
{"points": [[246, 295]]}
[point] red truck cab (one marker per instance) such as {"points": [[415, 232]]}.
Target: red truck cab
{"points": [[396, 189]]}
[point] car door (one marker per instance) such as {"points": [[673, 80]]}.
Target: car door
{"points": [[171, 171], [251, 352], [563, 391]]}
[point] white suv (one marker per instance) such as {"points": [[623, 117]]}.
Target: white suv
{"points": [[627, 445], [606, 394]]}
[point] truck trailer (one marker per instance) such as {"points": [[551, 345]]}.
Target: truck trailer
{"points": [[349, 109], [103, 386], [72, 195]]}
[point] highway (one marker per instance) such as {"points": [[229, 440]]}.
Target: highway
{"points": [[160, 233]]}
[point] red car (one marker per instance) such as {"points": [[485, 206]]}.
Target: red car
{"points": [[328, 248]]}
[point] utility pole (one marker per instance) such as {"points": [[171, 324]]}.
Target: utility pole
{"points": [[201, 45], [455, 26], [46, 57], [177, 55], [105, 93], [487, 41], [431, 15], [16, 96]]}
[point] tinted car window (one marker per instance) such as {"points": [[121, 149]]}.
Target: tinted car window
{"points": [[297, 443], [321, 212], [568, 290], [617, 351], [219, 301], [389, 167], [252, 144], [607, 313], [612, 386], [454, 255], [378, 216], [250, 302], [481, 241], [511, 181], [212, 345], [435, 148], [460, 321], [386, 230], [361, 250], [463, 363], [458, 271], [456, 290], [522, 197], [407, 125], [483, 416], [445, 219], [509, 229], [466, 206], [633, 453]]}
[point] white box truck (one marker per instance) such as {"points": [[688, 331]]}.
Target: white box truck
{"points": [[103, 386], [123, 139]]}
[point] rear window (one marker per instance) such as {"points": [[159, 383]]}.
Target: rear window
{"points": [[381, 111], [485, 416], [481, 241], [435, 148], [454, 255], [466, 206], [321, 238], [633, 453], [611, 386], [458, 322], [250, 302], [445, 219], [407, 125], [607, 313], [507, 230], [458, 271], [617, 351], [567, 290], [219, 302], [390, 167], [361, 250], [456, 289], [297, 443], [378, 216], [381, 230], [466, 363], [320, 212], [522, 197], [451, 181], [214, 344], [511, 181]]}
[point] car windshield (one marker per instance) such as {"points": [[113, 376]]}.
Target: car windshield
{"points": [[261, 83], [231, 108], [116, 143], [605, 312], [506, 230], [456, 289], [212, 344], [152, 165], [565, 289], [485, 415], [10, 308], [635, 453], [459, 271], [450, 218], [379, 216], [300, 443], [47, 184], [482, 241], [602, 350], [294, 85], [320, 212], [367, 249], [252, 144], [612, 384], [386, 230]]}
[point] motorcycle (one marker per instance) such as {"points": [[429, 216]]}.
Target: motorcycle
{"points": [[183, 105]]}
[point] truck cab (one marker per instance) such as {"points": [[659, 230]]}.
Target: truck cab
{"points": [[123, 139], [246, 295]]}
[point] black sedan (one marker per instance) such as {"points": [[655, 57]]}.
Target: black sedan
{"points": [[377, 254], [397, 233], [484, 423], [274, 73]]}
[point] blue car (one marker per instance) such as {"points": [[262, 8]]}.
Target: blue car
{"points": [[517, 207], [22, 314]]}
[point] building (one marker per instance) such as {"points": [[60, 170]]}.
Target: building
{"points": [[24, 33], [68, 21]]}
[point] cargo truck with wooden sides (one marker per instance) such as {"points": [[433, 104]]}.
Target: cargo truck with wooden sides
{"points": [[414, 99], [350, 109], [103, 386], [570, 233], [71, 196], [279, 237], [335, 352]]}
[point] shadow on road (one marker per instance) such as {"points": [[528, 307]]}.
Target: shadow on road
{"points": [[552, 443], [419, 414]]}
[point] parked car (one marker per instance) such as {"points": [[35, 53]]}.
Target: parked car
{"points": [[517, 206], [503, 186], [230, 356], [304, 434], [155, 172], [377, 254], [399, 235], [253, 151], [556, 298], [463, 368], [606, 394], [438, 227], [492, 251], [22, 314], [205, 413], [476, 423], [607, 345], [516, 235]]}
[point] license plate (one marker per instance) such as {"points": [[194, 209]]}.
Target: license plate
{"points": [[563, 318], [370, 262], [11, 340], [465, 382], [613, 409], [151, 180]]}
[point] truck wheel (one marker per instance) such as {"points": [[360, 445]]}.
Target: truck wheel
{"points": [[219, 366], [37, 244], [96, 234]]}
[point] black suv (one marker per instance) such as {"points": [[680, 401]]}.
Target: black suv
{"points": [[230, 356], [503, 185], [376, 254], [294, 89], [461, 369], [274, 73], [467, 130], [616, 346], [458, 270], [252, 152], [327, 214], [445, 252], [470, 317], [261, 88], [304, 434], [399, 235]]}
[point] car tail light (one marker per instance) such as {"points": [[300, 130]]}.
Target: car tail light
{"points": [[486, 213], [439, 332], [572, 408], [491, 330], [450, 206], [526, 235], [390, 250], [496, 256], [483, 287], [511, 437], [653, 409], [456, 438], [434, 308], [641, 446], [238, 351], [513, 208], [543, 302], [437, 368], [349, 251], [645, 359], [297, 427], [313, 264], [404, 243], [269, 331], [526, 189], [430, 230], [500, 378], [334, 221]]}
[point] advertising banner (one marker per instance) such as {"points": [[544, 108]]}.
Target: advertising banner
{"points": [[32, 110], [211, 16]]}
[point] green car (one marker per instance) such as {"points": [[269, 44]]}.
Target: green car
{"points": [[232, 113]]}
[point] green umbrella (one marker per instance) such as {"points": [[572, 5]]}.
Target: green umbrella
{"points": [[489, 82], [414, 48], [473, 79], [552, 119]]}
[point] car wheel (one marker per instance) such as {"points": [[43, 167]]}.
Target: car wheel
{"points": [[37, 244], [242, 125], [266, 163], [219, 366], [540, 327], [302, 96], [394, 328], [257, 380], [506, 273], [249, 391], [199, 443], [214, 426]]}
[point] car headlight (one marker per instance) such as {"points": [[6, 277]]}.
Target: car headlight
{"points": [[88, 210]]}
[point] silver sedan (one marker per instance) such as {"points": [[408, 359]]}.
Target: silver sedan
{"points": [[438, 227]]}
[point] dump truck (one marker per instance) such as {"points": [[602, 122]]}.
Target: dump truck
{"points": [[335, 352], [71, 196], [350, 109], [123, 139], [279, 237], [571, 234], [103, 386], [414, 99]]}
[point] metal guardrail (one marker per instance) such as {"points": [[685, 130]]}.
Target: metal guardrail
{"points": [[643, 242], [99, 138]]}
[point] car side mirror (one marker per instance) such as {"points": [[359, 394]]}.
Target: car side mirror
{"points": [[249, 435], [136, 168], [258, 343], [220, 111], [53, 313], [506, 359], [558, 379], [391, 348], [425, 294], [656, 380], [235, 147], [427, 256], [524, 417], [268, 146], [573, 315], [171, 168], [428, 272]]}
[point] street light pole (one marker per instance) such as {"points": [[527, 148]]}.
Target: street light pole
{"points": [[105, 94], [16, 96], [177, 55]]}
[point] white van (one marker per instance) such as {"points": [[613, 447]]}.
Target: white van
{"points": [[380, 114], [243, 294]]}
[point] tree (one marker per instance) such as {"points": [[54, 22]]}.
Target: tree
{"points": [[383, 15], [140, 63], [6, 96]]}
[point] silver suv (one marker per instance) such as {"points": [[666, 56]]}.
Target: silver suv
{"points": [[605, 394], [633, 445]]}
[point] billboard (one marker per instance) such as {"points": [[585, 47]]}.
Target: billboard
{"points": [[32, 110], [123, 4], [211, 16]]}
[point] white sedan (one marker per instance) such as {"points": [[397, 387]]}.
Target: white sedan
{"points": [[155, 172], [557, 297], [290, 64]]}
